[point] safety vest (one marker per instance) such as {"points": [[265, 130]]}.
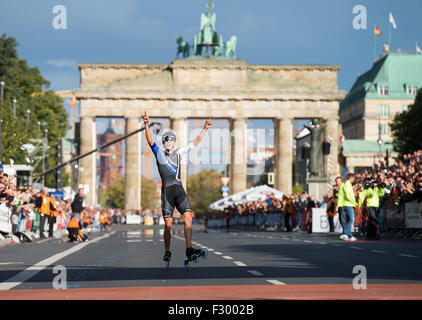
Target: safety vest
{"points": [[45, 205], [349, 195], [87, 220], [102, 218], [73, 223]]}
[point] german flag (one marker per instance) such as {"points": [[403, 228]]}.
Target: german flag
{"points": [[377, 31]]}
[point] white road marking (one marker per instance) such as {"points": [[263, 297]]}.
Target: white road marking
{"points": [[138, 240], [359, 248], [378, 251], [322, 242], [255, 273], [33, 270], [210, 249], [217, 252], [308, 241], [228, 257], [44, 240], [407, 255], [239, 263], [133, 232], [6, 263], [276, 282]]}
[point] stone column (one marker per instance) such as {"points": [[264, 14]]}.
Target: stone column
{"points": [[332, 133], [180, 128], [238, 164], [133, 166], [87, 170], [283, 154]]}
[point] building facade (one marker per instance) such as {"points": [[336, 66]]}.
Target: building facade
{"points": [[388, 88]]}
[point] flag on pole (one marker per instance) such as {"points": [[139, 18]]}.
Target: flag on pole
{"points": [[377, 31], [392, 21], [418, 50]]}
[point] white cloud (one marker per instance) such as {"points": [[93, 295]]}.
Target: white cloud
{"points": [[63, 63]]}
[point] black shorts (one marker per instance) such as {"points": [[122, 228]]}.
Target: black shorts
{"points": [[172, 196]]}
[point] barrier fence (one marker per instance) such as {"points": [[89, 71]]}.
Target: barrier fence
{"points": [[393, 217]]}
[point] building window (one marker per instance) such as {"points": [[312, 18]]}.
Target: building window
{"points": [[383, 111], [383, 90], [384, 129], [411, 90], [404, 108]]}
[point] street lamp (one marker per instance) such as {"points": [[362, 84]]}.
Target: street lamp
{"points": [[43, 152], [14, 107], [1, 120]]}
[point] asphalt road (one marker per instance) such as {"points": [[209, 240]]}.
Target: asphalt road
{"points": [[131, 256]]}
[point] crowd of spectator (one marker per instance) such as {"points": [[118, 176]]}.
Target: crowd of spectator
{"points": [[402, 182]]}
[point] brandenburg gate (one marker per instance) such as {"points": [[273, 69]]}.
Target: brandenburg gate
{"points": [[199, 87]]}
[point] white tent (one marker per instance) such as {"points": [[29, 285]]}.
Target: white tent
{"points": [[252, 194]]}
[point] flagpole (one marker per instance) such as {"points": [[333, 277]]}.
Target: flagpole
{"points": [[375, 45], [389, 35]]}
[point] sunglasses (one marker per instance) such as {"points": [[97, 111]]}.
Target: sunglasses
{"points": [[168, 139]]}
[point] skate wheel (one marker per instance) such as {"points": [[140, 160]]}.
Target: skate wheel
{"points": [[204, 254], [186, 263], [195, 259]]}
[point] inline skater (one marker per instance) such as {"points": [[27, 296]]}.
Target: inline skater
{"points": [[172, 193]]}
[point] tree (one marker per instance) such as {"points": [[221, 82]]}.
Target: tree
{"points": [[27, 86], [406, 127], [113, 196], [149, 195], [203, 188]]}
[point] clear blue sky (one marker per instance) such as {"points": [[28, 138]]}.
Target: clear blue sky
{"points": [[269, 32]]}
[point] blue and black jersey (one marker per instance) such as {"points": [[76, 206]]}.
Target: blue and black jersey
{"points": [[169, 164], [173, 193]]}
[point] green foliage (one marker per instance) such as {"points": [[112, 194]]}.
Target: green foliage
{"points": [[297, 188], [113, 196], [149, 195], [203, 188], [406, 127], [21, 81]]}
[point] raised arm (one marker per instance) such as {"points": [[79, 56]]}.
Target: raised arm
{"points": [[147, 130], [204, 130]]}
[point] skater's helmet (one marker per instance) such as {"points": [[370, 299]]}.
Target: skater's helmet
{"points": [[169, 136]]}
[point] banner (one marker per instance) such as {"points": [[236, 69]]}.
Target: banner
{"points": [[134, 219], [320, 222], [5, 224], [413, 215]]}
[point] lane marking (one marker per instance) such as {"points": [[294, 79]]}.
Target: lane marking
{"points": [[359, 248], [217, 252], [6, 263], [210, 249], [407, 255], [322, 242], [255, 273], [276, 282], [44, 240], [33, 270], [138, 240], [240, 263], [308, 241], [228, 257], [378, 251]]}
